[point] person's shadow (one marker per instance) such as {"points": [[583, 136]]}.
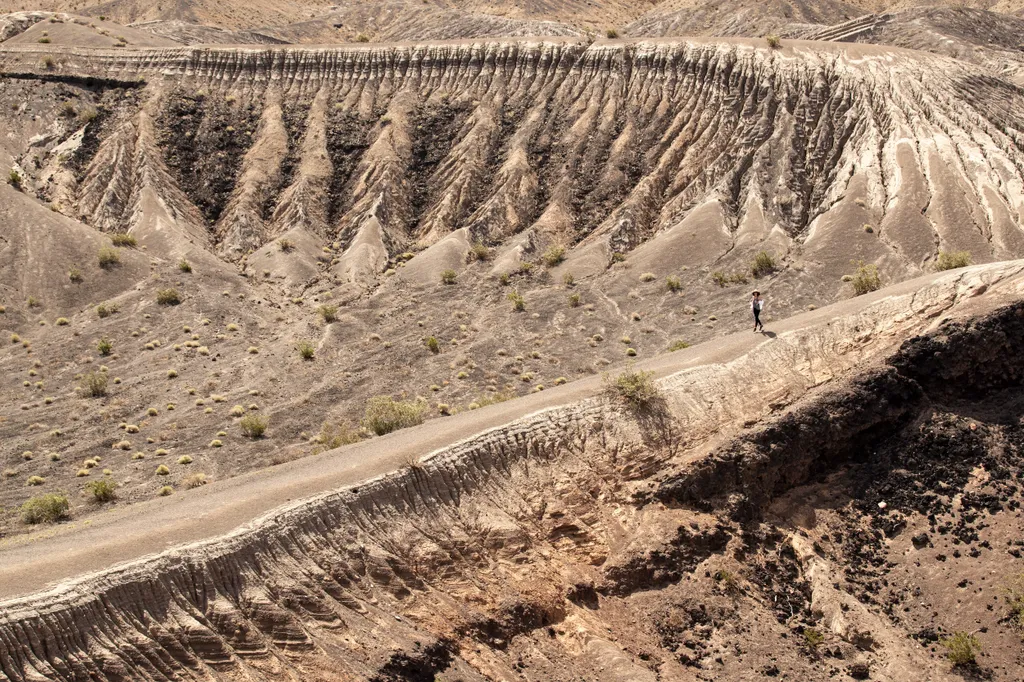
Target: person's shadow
{"points": [[770, 335]]}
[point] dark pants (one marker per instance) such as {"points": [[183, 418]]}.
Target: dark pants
{"points": [[757, 319]]}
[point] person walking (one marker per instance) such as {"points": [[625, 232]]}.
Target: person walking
{"points": [[756, 306]]}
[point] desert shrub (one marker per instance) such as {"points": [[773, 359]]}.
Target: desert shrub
{"points": [[773, 41], [764, 264], [949, 260], [168, 297], [184, 265], [48, 508], [362, 38], [866, 279], [109, 257], [184, 459], [35, 480], [517, 300], [478, 252], [253, 425], [329, 313], [44, 40], [569, 279], [95, 384], [306, 350], [103, 490], [678, 344], [123, 240], [172, 374], [285, 245], [335, 435], [1015, 601], [14, 179], [75, 275], [648, 277], [104, 310], [384, 414], [612, 33], [49, 63], [673, 283], [61, 322], [574, 300], [432, 344], [813, 639], [104, 346], [553, 256], [165, 491], [636, 388], [962, 648], [194, 481], [449, 276], [162, 470], [237, 411]]}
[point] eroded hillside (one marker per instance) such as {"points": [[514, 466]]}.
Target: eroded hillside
{"points": [[460, 223], [836, 519]]}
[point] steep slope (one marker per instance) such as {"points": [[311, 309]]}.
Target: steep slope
{"points": [[300, 195], [814, 524]]}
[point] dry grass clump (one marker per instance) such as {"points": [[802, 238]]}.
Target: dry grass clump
{"points": [[194, 481], [162, 470], [329, 313], [35, 480], [253, 425], [48, 508], [774, 42], [75, 275], [962, 648], [478, 252], [385, 414], [764, 264], [432, 344], [184, 265], [123, 240], [952, 259], [636, 388], [517, 300], [335, 435], [648, 277], [184, 459], [94, 384], [165, 491], [673, 283], [103, 310], [306, 350], [449, 276], [103, 490], [553, 256], [168, 297], [237, 411], [108, 257]]}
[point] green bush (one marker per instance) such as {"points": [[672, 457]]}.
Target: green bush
{"points": [[553, 256], [184, 265], [449, 276], [764, 264], [962, 648], [637, 388], [104, 346], [109, 257], [773, 41], [329, 313], [253, 425], [14, 179], [123, 240], [866, 279], [574, 300], [103, 490], [104, 310], [673, 283], [677, 345], [384, 414], [95, 384], [951, 260], [48, 508], [813, 639], [168, 297], [75, 275], [517, 300], [306, 350], [432, 344]]}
